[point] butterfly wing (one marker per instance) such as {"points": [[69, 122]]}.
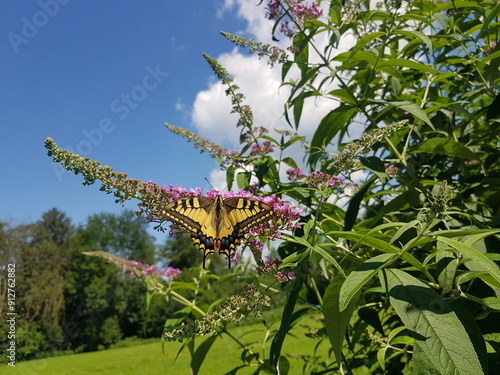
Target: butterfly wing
{"points": [[217, 224], [195, 214], [241, 215]]}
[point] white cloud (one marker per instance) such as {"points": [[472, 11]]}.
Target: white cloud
{"points": [[222, 6], [261, 87]]}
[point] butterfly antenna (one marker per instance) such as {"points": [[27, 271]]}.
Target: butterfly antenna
{"points": [[208, 182], [206, 179]]}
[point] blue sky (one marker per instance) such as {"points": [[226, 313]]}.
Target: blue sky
{"points": [[101, 78]]}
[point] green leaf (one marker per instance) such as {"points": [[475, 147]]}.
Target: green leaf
{"points": [[465, 232], [317, 249], [336, 321], [201, 352], [261, 167], [409, 107], [495, 337], [328, 128], [360, 276], [375, 165], [469, 322], [447, 264], [344, 95], [422, 365], [298, 105], [481, 261], [493, 110], [492, 302], [243, 180], [410, 34], [457, 4], [284, 365], [287, 319], [408, 64], [370, 316], [230, 176], [290, 162], [403, 229], [446, 146], [355, 202], [403, 201], [436, 328]]}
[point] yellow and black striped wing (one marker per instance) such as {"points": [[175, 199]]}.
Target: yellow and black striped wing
{"points": [[241, 215], [217, 224]]}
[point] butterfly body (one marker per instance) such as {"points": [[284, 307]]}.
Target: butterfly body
{"points": [[217, 224]]}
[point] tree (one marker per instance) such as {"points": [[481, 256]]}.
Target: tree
{"points": [[38, 251], [99, 297], [124, 235]]}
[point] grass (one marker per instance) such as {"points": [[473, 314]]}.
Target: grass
{"points": [[149, 358]]}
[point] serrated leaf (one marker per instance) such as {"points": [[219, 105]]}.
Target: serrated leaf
{"points": [[381, 356], [469, 322], [421, 363], [377, 243], [465, 232], [360, 276], [493, 110], [436, 328], [284, 365], [344, 95], [447, 264]]}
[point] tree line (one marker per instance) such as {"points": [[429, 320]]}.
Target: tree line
{"points": [[67, 301]]}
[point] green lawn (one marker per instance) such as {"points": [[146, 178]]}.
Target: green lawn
{"points": [[149, 358]]}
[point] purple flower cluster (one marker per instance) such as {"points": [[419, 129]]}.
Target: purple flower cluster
{"points": [[263, 149], [259, 131], [295, 174], [271, 267], [298, 11], [491, 48], [316, 179], [391, 170], [136, 268], [319, 179]]}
